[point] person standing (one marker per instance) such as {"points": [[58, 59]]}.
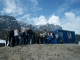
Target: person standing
{"points": [[41, 38], [33, 37], [37, 37], [20, 37], [45, 36], [30, 36], [25, 34], [49, 38], [52, 37], [16, 36], [11, 37]]}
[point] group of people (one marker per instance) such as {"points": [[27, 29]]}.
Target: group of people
{"points": [[28, 36]]}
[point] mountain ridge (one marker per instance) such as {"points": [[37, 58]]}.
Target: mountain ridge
{"points": [[7, 22]]}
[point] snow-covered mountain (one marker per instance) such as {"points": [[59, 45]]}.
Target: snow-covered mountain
{"points": [[26, 25], [48, 27], [7, 22]]}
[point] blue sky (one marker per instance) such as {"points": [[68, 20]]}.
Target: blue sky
{"points": [[65, 13]]}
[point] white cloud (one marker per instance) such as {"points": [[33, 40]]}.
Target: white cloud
{"points": [[42, 20], [66, 6], [62, 8], [11, 7], [35, 2], [70, 16], [72, 22], [16, 7], [54, 20], [34, 6], [25, 18], [39, 21], [72, 1]]}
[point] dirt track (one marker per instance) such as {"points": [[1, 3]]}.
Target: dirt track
{"points": [[41, 52]]}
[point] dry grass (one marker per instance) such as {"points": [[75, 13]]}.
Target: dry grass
{"points": [[41, 52]]}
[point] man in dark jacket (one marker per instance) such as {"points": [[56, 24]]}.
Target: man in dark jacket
{"points": [[11, 37], [25, 37], [30, 36]]}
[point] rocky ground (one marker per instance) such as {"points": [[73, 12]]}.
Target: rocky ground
{"points": [[41, 52]]}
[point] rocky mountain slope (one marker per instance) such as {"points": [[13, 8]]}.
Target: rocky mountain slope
{"points": [[41, 52], [48, 27], [7, 22]]}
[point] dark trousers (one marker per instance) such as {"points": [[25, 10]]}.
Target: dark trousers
{"points": [[25, 39], [16, 40], [50, 41], [45, 40], [41, 39], [38, 38], [6, 42], [11, 41], [32, 39]]}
